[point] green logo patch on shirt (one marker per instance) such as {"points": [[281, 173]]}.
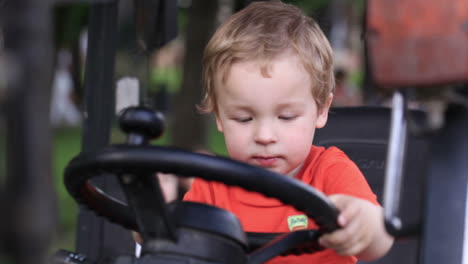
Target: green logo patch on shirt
{"points": [[297, 222]]}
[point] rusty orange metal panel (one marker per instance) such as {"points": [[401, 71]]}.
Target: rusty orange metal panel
{"points": [[417, 42]]}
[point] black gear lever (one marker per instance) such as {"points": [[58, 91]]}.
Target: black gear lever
{"points": [[142, 190]]}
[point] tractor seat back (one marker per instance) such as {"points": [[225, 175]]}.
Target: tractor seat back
{"points": [[362, 133]]}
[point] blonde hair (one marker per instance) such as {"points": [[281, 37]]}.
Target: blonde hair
{"points": [[261, 32]]}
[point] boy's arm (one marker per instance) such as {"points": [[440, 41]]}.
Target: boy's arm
{"points": [[362, 234]]}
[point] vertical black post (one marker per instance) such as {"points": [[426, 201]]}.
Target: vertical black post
{"points": [[445, 214], [97, 238], [29, 212]]}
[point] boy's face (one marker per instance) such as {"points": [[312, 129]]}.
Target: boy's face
{"points": [[269, 121]]}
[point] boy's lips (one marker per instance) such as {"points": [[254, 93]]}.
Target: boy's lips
{"points": [[265, 161]]}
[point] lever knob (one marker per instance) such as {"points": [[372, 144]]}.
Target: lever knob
{"points": [[141, 124]]}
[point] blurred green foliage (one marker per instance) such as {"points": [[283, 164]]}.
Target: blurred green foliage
{"points": [[66, 144], [69, 21], [310, 7], [169, 77]]}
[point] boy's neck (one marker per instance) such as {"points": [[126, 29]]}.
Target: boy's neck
{"points": [[293, 173]]}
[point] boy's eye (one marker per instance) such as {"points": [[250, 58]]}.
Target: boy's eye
{"points": [[287, 117], [242, 119]]}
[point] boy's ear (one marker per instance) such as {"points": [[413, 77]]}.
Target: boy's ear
{"points": [[322, 113], [218, 123]]}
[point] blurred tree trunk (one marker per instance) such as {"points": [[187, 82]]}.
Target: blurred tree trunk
{"points": [[29, 212], [339, 19], [188, 126]]}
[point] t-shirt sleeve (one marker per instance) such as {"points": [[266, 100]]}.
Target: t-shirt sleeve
{"points": [[342, 176]]}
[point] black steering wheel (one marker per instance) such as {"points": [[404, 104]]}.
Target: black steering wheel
{"points": [[135, 164]]}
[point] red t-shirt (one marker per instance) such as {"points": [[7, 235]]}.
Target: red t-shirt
{"points": [[328, 170]]}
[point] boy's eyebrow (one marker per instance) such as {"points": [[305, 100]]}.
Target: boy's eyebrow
{"points": [[238, 107], [297, 103], [241, 107]]}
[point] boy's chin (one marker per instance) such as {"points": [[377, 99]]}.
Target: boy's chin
{"points": [[280, 171]]}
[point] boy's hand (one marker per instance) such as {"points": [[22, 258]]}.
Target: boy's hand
{"points": [[137, 237], [362, 233]]}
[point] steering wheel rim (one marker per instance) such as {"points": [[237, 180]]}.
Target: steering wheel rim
{"points": [[137, 159]]}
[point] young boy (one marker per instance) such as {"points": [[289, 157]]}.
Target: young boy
{"points": [[268, 75]]}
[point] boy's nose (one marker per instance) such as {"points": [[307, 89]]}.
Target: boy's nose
{"points": [[265, 134]]}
